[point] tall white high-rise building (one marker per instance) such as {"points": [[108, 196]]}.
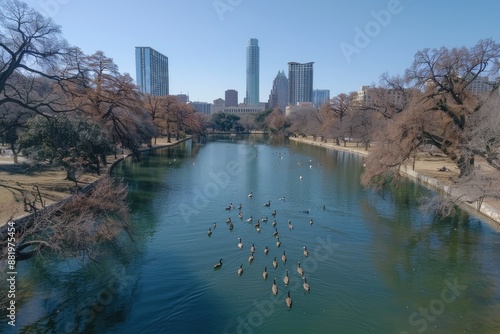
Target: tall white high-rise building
{"points": [[252, 94]]}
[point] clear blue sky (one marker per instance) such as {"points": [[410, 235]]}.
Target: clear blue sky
{"points": [[205, 40]]}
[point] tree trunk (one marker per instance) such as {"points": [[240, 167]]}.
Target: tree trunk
{"points": [[14, 152], [465, 164]]}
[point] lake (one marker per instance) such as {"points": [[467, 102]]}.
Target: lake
{"points": [[375, 264]]}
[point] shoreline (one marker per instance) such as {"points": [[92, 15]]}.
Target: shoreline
{"points": [[24, 218], [486, 210]]}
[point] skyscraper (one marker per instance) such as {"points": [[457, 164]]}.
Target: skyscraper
{"points": [[279, 93], [320, 97], [300, 82], [231, 97], [151, 71], [252, 96]]}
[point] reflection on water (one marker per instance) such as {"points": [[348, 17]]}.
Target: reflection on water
{"points": [[376, 263]]}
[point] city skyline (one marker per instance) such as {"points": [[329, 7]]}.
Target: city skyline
{"points": [[351, 43]]}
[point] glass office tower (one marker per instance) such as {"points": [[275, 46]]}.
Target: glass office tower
{"points": [[252, 96], [151, 71]]}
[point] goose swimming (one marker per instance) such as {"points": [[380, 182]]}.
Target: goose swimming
{"points": [[240, 270], [249, 219], [290, 225], [274, 213], [240, 244], [265, 273], [286, 279], [240, 206], [275, 263], [231, 226], [264, 219], [250, 195], [209, 231], [275, 233], [278, 243], [300, 270], [252, 249], [250, 258], [266, 250], [283, 257], [288, 300], [274, 288], [268, 203], [306, 285], [306, 252], [274, 223], [218, 264]]}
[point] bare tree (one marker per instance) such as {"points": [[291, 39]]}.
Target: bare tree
{"points": [[247, 121], [303, 122], [154, 106], [439, 109], [340, 106], [79, 225], [446, 76], [484, 130], [114, 101], [32, 51], [277, 122]]}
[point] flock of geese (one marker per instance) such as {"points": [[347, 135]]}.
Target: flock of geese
{"points": [[265, 273]]}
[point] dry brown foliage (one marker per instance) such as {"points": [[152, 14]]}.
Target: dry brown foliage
{"points": [[81, 223]]}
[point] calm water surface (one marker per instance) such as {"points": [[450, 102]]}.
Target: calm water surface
{"points": [[376, 263]]}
